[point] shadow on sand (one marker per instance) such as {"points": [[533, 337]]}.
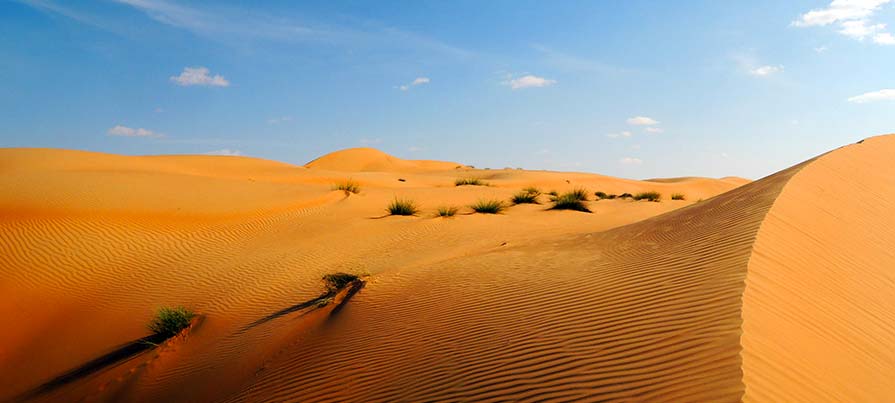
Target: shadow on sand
{"points": [[316, 303]]}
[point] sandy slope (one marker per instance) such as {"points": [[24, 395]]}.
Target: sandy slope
{"points": [[531, 304]]}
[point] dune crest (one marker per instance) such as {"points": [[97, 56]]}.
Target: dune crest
{"points": [[372, 160]]}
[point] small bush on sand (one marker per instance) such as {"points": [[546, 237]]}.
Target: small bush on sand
{"points": [[625, 196], [651, 196], [447, 211], [170, 321], [488, 206], [678, 196], [532, 190], [337, 281], [524, 197], [470, 182], [349, 186], [570, 201], [601, 195], [402, 207], [612, 196], [579, 193]]}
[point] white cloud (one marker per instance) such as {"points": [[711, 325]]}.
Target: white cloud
{"points": [[415, 82], [820, 49], [276, 121], [881, 95], [199, 76], [225, 151], [124, 131], [764, 71], [529, 81], [654, 130], [853, 17], [724, 155], [884, 38], [642, 121], [620, 134], [630, 161]]}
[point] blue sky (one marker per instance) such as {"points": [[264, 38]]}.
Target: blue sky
{"points": [[632, 89]]}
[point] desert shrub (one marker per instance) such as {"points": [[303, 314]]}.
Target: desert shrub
{"points": [[570, 201], [625, 196], [170, 321], [470, 182], [337, 281], [524, 197], [601, 195], [447, 211], [579, 193], [652, 196], [612, 196], [349, 186], [532, 190], [402, 207], [677, 196], [488, 206]]}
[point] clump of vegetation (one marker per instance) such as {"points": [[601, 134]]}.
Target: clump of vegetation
{"points": [[553, 193], [612, 196], [447, 211], [532, 190], [524, 197], [470, 182], [570, 201], [402, 207], [601, 195], [678, 196], [170, 321], [349, 186], [488, 206], [652, 196], [337, 281], [579, 193], [625, 196]]}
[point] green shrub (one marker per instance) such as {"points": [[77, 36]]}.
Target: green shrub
{"points": [[349, 186], [532, 190], [170, 321], [447, 211], [570, 201], [488, 206], [601, 195], [612, 196], [524, 197], [470, 182], [625, 196], [652, 196], [337, 281], [677, 196], [579, 193], [402, 207]]}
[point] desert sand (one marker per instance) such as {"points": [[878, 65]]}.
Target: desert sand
{"points": [[779, 289]]}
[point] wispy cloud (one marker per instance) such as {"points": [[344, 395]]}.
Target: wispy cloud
{"points": [[642, 121], [853, 18], [630, 161], [764, 71], [620, 134], [225, 151], [199, 76], [415, 82], [654, 130], [124, 131], [749, 64], [881, 95], [529, 81], [276, 121], [566, 62]]}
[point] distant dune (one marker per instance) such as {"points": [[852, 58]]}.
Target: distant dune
{"points": [[775, 290]]}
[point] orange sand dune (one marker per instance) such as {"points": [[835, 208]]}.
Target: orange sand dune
{"points": [[774, 290]]}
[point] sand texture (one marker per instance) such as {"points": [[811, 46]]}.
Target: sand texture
{"points": [[779, 289]]}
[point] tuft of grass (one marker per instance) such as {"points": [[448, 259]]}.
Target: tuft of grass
{"points": [[170, 321], [470, 182], [337, 281], [678, 196], [349, 186], [579, 193], [532, 190], [601, 195], [524, 197], [447, 211], [570, 201], [625, 196], [612, 196], [488, 206], [402, 207], [652, 196]]}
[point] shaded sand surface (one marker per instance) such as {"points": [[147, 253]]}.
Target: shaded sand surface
{"points": [[675, 301]]}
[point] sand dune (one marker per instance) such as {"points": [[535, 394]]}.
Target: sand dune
{"points": [[772, 290]]}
